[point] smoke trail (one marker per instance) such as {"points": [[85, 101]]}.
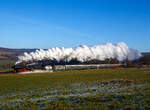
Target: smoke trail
{"points": [[83, 53]]}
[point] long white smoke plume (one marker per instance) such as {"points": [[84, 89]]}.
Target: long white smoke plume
{"points": [[83, 53]]}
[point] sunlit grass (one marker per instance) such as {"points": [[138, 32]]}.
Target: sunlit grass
{"points": [[84, 89]]}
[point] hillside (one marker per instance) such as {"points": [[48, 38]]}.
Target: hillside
{"points": [[8, 53], [8, 56], [145, 53], [11, 54]]}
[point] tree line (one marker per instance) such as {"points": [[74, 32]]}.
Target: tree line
{"points": [[144, 60]]}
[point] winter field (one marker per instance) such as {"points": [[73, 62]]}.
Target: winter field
{"points": [[102, 89]]}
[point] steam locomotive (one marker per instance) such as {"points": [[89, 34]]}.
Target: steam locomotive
{"points": [[53, 65]]}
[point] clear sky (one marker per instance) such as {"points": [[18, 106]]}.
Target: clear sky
{"points": [[69, 23]]}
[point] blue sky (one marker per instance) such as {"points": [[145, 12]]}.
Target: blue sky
{"points": [[69, 23]]}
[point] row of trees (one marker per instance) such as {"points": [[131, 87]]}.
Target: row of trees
{"points": [[144, 60]]}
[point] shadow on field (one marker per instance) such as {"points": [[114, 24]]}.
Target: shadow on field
{"points": [[6, 72]]}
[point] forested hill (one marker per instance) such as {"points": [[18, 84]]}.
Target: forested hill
{"points": [[145, 53], [11, 54], [7, 53]]}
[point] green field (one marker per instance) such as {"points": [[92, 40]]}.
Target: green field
{"points": [[5, 62], [103, 89], [5, 65]]}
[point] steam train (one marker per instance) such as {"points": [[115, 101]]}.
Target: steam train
{"points": [[30, 66], [49, 65]]}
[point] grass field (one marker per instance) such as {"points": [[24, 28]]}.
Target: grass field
{"points": [[5, 62], [5, 65], [103, 89]]}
